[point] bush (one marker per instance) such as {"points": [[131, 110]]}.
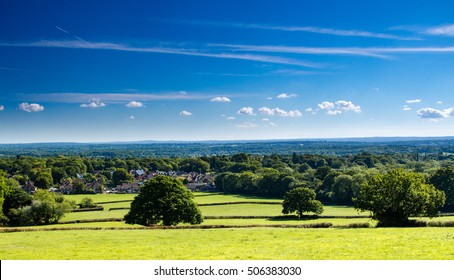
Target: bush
{"points": [[441, 224], [87, 202]]}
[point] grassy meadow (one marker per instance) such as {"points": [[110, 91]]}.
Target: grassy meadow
{"points": [[117, 240], [232, 244]]}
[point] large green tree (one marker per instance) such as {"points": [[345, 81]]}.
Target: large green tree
{"points": [[395, 196], [3, 192], [301, 200], [443, 179], [163, 200]]}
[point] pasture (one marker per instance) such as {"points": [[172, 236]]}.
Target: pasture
{"points": [[117, 240], [232, 244]]}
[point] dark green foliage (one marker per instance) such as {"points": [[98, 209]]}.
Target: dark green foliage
{"points": [[395, 196], [16, 199], [87, 202], [120, 176], [443, 179], [163, 200], [194, 165], [3, 193], [301, 200], [46, 208]]}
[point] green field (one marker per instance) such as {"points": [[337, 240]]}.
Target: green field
{"points": [[232, 244], [117, 240]]}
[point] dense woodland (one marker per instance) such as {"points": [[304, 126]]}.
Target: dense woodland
{"points": [[336, 179]]}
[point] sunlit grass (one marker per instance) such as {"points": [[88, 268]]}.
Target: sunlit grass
{"points": [[231, 244]]}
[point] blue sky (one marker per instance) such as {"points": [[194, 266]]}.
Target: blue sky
{"points": [[89, 71]]}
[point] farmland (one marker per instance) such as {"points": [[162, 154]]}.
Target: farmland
{"points": [[117, 240]]}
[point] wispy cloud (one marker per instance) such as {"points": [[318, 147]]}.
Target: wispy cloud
{"points": [[286, 95], [303, 50], [31, 108], [2, 107], [135, 104], [72, 35], [443, 30], [247, 125], [162, 50], [185, 113], [221, 99], [413, 101], [93, 104], [309, 29], [378, 52], [75, 97]]}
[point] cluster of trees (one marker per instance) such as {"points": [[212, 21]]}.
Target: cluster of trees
{"points": [[335, 179], [19, 208]]}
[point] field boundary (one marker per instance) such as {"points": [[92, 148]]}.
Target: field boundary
{"points": [[317, 225]]}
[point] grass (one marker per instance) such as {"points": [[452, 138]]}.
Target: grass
{"points": [[228, 244], [94, 215], [231, 244], [97, 198]]}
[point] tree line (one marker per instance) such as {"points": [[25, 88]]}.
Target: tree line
{"points": [[335, 179]]}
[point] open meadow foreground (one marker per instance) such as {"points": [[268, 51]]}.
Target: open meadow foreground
{"points": [[243, 238]]}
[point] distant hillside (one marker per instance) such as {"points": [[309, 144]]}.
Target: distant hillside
{"points": [[187, 149]]}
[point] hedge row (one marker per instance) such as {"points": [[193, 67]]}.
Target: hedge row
{"points": [[240, 202], [117, 201], [97, 208], [92, 221], [318, 225], [119, 208]]}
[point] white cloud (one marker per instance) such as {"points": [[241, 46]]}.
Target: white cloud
{"points": [[444, 30], [185, 113], [413, 101], [439, 102], [2, 107], [434, 114], [339, 107], [326, 105], [220, 99], [269, 98], [285, 95], [265, 120], [31, 108], [132, 117], [246, 125], [135, 104], [308, 109], [246, 111], [347, 106], [95, 103], [279, 112], [406, 108], [231, 118]]}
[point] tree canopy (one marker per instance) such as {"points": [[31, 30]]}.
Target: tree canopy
{"points": [[395, 196], [443, 180], [163, 200], [301, 200]]}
